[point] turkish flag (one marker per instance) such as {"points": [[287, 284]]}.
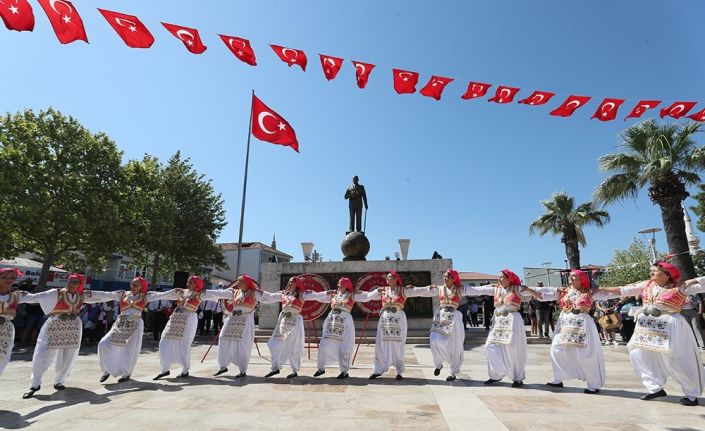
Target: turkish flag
{"points": [[538, 98], [405, 81], [291, 56], [435, 87], [475, 90], [241, 48], [17, 15], [189, 36], [129, 28], [607, 111], [677, 109], [504, 94], [698, 116], [362, 72], [570, 105], [642, 107], [269, 126], [331, 66], [65, 20]]}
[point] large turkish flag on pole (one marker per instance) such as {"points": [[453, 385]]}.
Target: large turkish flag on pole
{"points": [[269, 126]]}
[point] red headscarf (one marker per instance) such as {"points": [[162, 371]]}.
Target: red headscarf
{"points": [[298, 283], [15, 270], [248, 280], [142, 283], [81, 279], [346, 283], [198, 281], [669, 269], [514, 279], [453, 274], [583, 277], [396, 277]]}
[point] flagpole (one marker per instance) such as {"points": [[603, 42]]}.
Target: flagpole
{"points": [[244, 191]]}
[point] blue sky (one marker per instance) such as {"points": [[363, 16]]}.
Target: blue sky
{"points": [[461, 177]]}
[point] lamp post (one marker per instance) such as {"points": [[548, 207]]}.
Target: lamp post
{"points": [[307, 248], [652, 240]]}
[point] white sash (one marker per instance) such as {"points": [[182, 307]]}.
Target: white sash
{"points": [[573, 330], [176, 326], [501, 330], [443, 321], [6, 340], [235, 327], [123, 329], [390, 324], [334, 326], [64, 333], [285, 325], [651, 333]]}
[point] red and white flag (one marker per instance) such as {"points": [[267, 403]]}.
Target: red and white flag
{"points": [[698, 116], [331, 66], [475, 90], [538, 98], [269, 126], [362, 72], [504, 94], [405, 81], [241, 48], [607, 111], [17, 15], [189, 36], [291, 56], [129, 28], [570, 105], [641, 107], [65, 20], [677, 109], [435, 87]]}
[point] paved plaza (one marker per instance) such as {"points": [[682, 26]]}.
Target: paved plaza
{"points": [[421, 401]]}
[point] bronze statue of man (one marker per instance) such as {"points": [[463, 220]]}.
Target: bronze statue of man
{"points": [[356, 196]]}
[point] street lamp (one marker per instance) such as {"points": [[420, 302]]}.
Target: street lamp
{"points": [[652, 240]]}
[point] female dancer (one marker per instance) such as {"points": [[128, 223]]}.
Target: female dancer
{"points": [[8, 311]]}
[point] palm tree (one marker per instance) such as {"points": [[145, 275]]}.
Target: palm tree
{"points": [[562, 217], [667, 159]]}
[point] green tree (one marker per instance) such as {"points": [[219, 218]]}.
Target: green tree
{"points": [[666, 158], [61, 190], [175, 215], [562, 217], [628, 266]]}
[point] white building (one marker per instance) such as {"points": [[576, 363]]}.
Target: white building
{"points": [[477, 278], [254, 254]]}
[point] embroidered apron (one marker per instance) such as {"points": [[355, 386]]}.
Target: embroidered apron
{"points": [[501, 330], [285, 325], [334, 327], [176, 326], [443, 321], [235, 328], [390, 324], [64, 332], [651, 333], [573, 330], [5, 337], [123, 329]]}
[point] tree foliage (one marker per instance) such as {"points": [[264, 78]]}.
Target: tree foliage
{"points": [[628, 266]]}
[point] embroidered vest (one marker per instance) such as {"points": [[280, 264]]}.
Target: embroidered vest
{"points": [[581, 301], [343, 302], [667, 299], [391, 299], [510, 298], [64, 305], [449, 296], [9, 309], [191, 302], [138, 303], [289, 301], [242, 299]]}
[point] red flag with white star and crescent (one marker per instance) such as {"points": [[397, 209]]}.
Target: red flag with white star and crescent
{"points": [[405, 81], [570, 105], [241, 48], [291, 56], [504, 94], [189, 36], [475, 90], [129, 28], [435, 87], [642, 107], [607, 111], [271, 127], [677, 109], [331, 66], [65, 20], [362, 72], [537, 98], [698, 116], [17, 15]]}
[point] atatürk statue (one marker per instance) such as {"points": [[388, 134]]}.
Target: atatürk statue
{"points": [[356, 196]]}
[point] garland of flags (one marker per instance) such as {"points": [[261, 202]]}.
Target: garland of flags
{"points": [[68, 27]]}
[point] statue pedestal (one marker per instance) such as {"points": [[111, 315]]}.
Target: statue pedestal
{"points": [[355, 246]]}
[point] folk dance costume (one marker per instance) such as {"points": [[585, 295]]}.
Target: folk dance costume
{"points": [[120, 347], [663, 344], [60, 336], [576, 352], [8, 311], [175, 344], [338, 341], [390, 339]]}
